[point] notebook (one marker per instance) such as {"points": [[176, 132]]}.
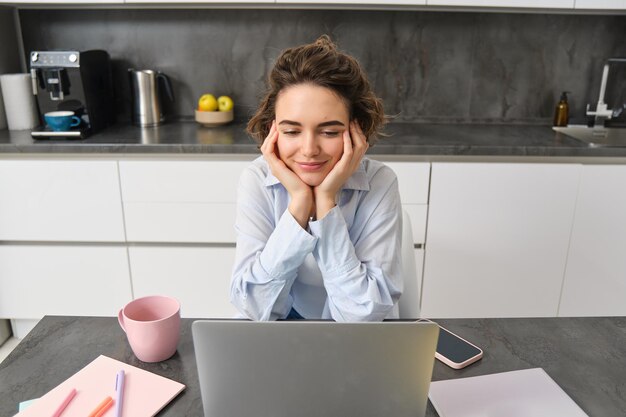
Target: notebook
{"points": [[307, 368], [526, 393], [145, 393]]}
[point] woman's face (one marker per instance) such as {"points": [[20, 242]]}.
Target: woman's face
{"points": [[310, 121]]}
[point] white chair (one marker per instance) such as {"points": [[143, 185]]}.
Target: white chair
{"points": [[409, 303]]}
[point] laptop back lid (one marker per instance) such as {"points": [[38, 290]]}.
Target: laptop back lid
{"points": [[314, 369]]}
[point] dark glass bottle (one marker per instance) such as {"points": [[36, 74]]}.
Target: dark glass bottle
{"points": [[561, 113]]}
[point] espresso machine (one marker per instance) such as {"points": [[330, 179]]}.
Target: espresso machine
{"points": [[76, 81]]}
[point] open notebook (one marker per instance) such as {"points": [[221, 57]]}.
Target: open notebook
{"points": [[526, 393], [145, 393]]}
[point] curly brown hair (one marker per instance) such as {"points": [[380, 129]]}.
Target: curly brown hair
{"points": [[322, 64]]}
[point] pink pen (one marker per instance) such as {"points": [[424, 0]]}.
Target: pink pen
{"points": [[65, 402]]}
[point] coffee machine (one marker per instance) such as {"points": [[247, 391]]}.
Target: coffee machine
{"points": [[76, 81]]}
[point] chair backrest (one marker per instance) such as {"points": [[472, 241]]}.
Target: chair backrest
{"points": [[409, 303]]}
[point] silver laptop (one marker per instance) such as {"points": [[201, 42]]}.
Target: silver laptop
{"points": [[314, 368]]}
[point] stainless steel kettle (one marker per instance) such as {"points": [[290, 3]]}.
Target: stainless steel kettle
{"points": [[146, 93]]}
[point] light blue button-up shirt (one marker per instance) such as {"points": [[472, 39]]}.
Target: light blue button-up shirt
{"points": [[345, 266]]}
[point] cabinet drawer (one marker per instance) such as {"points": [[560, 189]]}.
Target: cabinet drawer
{"points": [[211, 223], [60, 201], [413, 181], [180, 222], [63, 280], [198, 277], [181, 181]]}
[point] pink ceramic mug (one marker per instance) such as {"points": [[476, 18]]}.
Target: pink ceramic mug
{"points": [[152, 325]]}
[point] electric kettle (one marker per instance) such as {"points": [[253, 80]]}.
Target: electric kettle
{"points": [[147, 93]]}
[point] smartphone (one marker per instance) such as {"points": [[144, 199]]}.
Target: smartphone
{"points": [[455, 351]]}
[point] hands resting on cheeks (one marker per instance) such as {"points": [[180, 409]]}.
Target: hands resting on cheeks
{"points": [[307, 201]]}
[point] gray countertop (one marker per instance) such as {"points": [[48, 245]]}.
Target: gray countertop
{"points": [[585, 356], [187, 137]]}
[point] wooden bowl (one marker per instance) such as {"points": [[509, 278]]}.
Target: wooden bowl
{"points": [[214, 118]]}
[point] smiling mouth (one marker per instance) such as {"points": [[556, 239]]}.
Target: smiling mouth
{"points": [[310, 166]]}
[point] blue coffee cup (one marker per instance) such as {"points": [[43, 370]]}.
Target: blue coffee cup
{"points": [[60, 121]]}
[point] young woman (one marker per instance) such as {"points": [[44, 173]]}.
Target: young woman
{"points": [[318, 225]]}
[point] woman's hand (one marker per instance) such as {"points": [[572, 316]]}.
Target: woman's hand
{"points": [[301, 194], [354, 147]]}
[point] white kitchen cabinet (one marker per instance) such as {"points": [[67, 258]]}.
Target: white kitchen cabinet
{"points": [[198, 277], [180, 222], [195, 201], [60, 200], [180, 201], [601, 4], [413, 290], [595, 278], [413, 184], [181, 181], [418, 215], [545, 4], [413, 180], [497, 238], [36, 280]]}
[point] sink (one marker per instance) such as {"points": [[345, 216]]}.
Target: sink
{"points": [[595, 136]]}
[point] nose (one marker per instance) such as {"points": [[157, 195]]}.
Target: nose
{"points": [[310, 145]]}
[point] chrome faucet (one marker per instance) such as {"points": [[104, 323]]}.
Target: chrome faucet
{"points": [[602, 111]]}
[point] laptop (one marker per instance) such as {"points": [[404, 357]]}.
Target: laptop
{"points": [[314, 368]]}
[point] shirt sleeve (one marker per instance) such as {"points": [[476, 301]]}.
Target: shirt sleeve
{"points": [[362, 273], [268, 253]]}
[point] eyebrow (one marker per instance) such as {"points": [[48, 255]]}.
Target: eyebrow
{"points": [[329, 123]]}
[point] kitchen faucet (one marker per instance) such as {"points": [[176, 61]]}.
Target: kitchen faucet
{"points": [[602, 112]]}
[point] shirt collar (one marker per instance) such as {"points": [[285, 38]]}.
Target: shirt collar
{"points": [[358, 180]]}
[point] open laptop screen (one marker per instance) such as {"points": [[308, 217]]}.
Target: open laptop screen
{"points": [[311, 368]]}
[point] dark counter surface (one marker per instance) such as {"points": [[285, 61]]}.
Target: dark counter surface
{"points": [[187, 137], [585, 356]]}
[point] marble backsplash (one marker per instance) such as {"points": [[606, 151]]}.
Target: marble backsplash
{"points": [[9, 59], [462, 67]]}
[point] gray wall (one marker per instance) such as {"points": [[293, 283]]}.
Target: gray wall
{"points": [[427, 66], [9, 55]]}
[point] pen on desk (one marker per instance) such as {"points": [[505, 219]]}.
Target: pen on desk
{"points": [[119, 393], [65, 402], [102, 407]]}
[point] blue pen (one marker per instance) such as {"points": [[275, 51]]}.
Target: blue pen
{"points": [[119, 393]]}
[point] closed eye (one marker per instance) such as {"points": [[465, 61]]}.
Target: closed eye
{"points": [[330, 133], [290, 132]]}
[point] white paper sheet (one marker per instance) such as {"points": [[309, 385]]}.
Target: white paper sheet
{"points": [[526, 393]]}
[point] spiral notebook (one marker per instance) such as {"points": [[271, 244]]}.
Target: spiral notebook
{"points": [[145, 393]]}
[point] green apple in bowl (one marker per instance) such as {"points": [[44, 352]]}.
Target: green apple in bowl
{"points": [[207, 102], [225, 103]]}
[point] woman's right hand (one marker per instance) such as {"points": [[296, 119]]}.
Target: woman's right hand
{"points": [[302, 202]]}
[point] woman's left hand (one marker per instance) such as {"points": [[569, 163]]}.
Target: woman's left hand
{"points": [[354, 147]]}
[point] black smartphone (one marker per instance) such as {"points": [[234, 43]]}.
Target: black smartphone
{"points": [[455, 351]]}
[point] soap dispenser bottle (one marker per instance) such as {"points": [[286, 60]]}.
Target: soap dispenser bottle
{"points": [[561, 113]]}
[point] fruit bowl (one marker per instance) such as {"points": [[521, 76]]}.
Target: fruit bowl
{"points": [[214, 118]]}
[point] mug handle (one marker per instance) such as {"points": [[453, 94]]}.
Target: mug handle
{"points": [[75, 121], [120, 319]]}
